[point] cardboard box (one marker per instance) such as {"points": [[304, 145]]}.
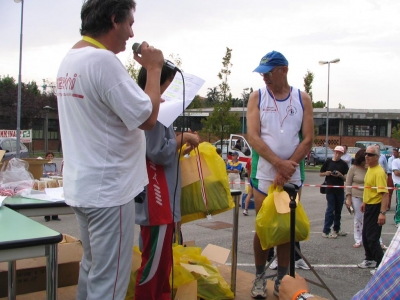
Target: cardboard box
{"points": [[31, 273]]}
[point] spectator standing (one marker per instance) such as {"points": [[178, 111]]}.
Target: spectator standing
{"points": [[335, 170], [346, 156], [234, 167], [50, 169], [389, 171], [396, 182], [374, 207]]}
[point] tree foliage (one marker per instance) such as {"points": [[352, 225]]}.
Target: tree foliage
{"points": [[396, 132], [221, 121], [308, 79], [32, 102]]}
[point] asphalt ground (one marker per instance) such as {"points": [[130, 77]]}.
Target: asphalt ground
{"points": [[335, 260]]}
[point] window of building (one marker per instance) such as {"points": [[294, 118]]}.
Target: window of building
{"points": [[321, 125], [364, 127]]}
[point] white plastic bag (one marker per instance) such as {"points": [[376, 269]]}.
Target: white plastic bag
{"points": [[15, 178]]}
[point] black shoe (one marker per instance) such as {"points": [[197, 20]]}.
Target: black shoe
{"points": [[46, 219], [56, 219]]}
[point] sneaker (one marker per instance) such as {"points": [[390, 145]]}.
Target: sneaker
{"points": [[259, 287], [274, 265], [367, 264], [245, 212], [276, 287], [384, 247], [373, 271], [301, 264], [331, 235], [340, 233]]}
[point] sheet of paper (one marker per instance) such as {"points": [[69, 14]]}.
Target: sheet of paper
{"points": [[2, 152], [195, 268], [56, 194], [190, 172], [173, 105]]}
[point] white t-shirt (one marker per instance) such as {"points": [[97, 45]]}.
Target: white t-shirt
{"points": [[396, 166], [100, 108]]}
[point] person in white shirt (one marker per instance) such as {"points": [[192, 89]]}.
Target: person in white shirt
{"points": [[102, 114], [346, 156], [389, 173]]}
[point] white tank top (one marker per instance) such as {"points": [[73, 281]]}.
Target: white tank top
{"points": [[280, 122]]}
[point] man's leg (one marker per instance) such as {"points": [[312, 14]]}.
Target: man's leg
{"points": [[397, 214], [374, 232], [107, 240], [390, 184], [339, 200], [258, 290], [330, 199], [366, 234]]}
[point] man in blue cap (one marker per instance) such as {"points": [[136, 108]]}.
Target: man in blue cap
{"points": [[281, 132]]}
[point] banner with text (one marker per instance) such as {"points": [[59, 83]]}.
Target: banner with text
{"points": [[25, 135]]}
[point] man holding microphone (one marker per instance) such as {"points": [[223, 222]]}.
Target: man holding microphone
{"points": [[102, 113]]}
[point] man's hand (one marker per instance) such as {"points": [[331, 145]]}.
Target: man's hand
{"points": [[362, 207], [290, 286], [151, 58], [381, 220], [286, 168]]}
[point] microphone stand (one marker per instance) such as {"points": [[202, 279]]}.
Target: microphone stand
{"points": [[292, 190]]}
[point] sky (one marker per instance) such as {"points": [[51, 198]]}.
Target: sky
{"points": [[363, 34]]}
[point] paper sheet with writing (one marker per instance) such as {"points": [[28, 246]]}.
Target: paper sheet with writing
{"points": [[173, 96]]}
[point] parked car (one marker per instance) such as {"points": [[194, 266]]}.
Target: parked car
{"points": [[10, 146], [317, 155]]}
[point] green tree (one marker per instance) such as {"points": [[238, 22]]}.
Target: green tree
{"points": [[221, 121], [196, 103], [308, 79], [224, 73], [132, 67], [212, 96], [396, 132], [319, 104], [341, 106]]}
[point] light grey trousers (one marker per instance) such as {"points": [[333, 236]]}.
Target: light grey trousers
{"points": [[107, 240]]}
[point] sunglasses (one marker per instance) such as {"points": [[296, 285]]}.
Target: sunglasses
{"points": [[269, 74], [370, 154]]}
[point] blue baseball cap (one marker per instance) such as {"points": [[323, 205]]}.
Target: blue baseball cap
{"points": [[235, 153], [270, 61]]}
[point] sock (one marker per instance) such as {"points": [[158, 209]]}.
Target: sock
{"points": [[260, 270], [282, 271]]}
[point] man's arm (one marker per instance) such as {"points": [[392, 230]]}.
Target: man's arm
{"points": [[285, 167], [152, 60], [307, 130]]}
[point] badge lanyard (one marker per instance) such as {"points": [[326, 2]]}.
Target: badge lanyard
{"points": [[277, 109], [94, 42]]}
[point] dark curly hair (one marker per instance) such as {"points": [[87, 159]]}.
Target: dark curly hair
{"points": [[166, 73], [96, 15], [359, 158]]}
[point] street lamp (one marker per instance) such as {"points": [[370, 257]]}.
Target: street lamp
{"points": [[46, 128], [19, 83], [333, 61]]}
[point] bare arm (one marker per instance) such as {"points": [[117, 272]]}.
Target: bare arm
{"points": [[152, 59], [384, 205]]}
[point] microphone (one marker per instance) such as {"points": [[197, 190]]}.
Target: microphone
{"points": [[137, 48]]}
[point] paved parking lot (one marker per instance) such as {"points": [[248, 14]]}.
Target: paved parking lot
{"points": [[334, 260]]}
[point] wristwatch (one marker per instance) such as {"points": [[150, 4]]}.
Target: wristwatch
{"points": [[304, 296], [383, 212]]}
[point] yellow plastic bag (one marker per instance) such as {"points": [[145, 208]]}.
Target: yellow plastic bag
{"points": [[211, 193], [273, 228], [211, 286]]}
